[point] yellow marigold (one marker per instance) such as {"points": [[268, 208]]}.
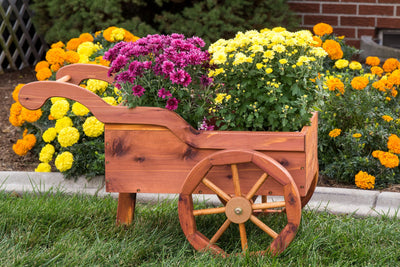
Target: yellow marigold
{"points": [[79, 110], [376, 70], [93, 127], [43, 167], [15, 114], [96, 86], [86, 37], [110, 100], [317, 42], [117, 35], [72, 45], [68, 136], [43, 74], [372, 61], [107, 33], [55, 56], [354, 65], [71, 57], [390, 64], [59, 44], [62, 123], [389, 160], [335, 84], [364, 181], [46, 153], [394, 77], [393, 144], [30, 115], [341, 63], [86, 49], [59, 109], [16, 91], [335, 133], [49, 135], [321, 29], [55, 99], [387, 118], [359, 83], [41, 64], [333, 49], [24, 145], [64, 161], [357, 135]]}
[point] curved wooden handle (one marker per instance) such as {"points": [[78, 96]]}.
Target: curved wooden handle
{"points": [[79, 72]]}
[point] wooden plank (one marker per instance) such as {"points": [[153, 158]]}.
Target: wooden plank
{"points": [[126, 208], [80, 72]]}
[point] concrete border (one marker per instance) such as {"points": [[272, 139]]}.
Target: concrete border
{"points": [[333, 200]]}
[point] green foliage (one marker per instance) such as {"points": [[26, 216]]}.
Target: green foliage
{"points": [[209, 19], [215, 19]]}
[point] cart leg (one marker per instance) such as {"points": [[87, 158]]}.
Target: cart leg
{"points": [[126, 208]]}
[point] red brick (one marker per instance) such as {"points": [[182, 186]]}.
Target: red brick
{"points": [[339, 9], [388, 1], [398, 11], [357, 21], [376, 10], [302, 1], [353, 42], [368, 32], [360, 1], [314, 19], [304, 8], [388, 23], [347, 32]]}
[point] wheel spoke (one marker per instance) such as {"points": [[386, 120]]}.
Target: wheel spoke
{"points": [[268, 205], [235, 178], [220, 231], [257, 186], [216, 189], [208, 211], [243, 236], [263, 227]]}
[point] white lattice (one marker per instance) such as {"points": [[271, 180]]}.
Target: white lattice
{"points": [[21, 45]]}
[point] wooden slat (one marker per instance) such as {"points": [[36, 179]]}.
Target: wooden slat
{"points": [[80, 72]]}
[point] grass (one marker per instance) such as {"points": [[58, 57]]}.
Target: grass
{"points": [[54, 229]]}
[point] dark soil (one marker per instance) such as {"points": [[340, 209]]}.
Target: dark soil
{"points": [[9, 161]]}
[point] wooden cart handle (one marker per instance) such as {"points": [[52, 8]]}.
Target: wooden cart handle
{"points": [[80, 72]]}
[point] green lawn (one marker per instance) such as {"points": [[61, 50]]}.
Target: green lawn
{"points": [[54, 229]]}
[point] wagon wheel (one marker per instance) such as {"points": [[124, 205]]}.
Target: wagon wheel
{"points": [[239, 206], [310, 192]]}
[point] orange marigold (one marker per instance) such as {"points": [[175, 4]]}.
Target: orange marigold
{"points": [[317, 42], [335, 84], [393, 144], [321, 29], [16, 91], [107, 33], [55, 67], [59, 44], [15, 114], [377, 70], [372, 61], [335, 133], [394, 77], [43, 74], [387, 118], [389, 160], [394, 92], [333, 49], [129, 37], [71, 57], [30, 115], [24, 145], [364, 181], [390, 64], [41, 64], [55, 56], [86, 37], [73, 44], [359, 83]]}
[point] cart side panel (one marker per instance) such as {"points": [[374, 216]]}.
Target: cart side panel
{"points": [[311, 152], [151, 159]]}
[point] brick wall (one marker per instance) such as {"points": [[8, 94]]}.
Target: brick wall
{"points": [[351, 18]]}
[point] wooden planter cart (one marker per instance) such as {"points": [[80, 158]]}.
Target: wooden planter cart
{"points": [[153, 150]]}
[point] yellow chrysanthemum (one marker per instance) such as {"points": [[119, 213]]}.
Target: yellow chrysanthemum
{"points": [[364, 181], [49, 135], [93, 127], [64, 161]]}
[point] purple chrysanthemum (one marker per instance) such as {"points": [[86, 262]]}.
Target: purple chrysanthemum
{"points": [[172, 103], [180, 77], [164, 93], [167, 67], [138, 90]]}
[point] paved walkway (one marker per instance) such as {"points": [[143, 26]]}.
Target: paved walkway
{"points": [[333, 200]]}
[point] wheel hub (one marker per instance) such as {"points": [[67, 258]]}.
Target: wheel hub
{"points": [[238, 210]]}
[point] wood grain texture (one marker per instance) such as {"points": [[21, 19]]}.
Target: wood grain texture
{"points": [[126, 208]]}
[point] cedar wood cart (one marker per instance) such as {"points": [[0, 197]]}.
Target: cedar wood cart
{"points": [[153, 150]]}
